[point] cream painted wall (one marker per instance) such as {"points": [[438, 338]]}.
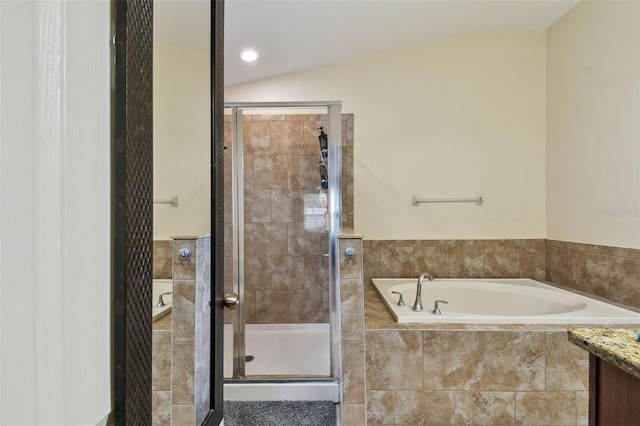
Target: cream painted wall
{"points": [[181, 139], [593, 125], [455, 117]]}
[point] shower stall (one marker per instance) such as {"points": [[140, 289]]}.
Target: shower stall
{"points": [[283, 212]]}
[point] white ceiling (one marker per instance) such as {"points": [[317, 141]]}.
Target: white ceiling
{"points": [[293, 35]]}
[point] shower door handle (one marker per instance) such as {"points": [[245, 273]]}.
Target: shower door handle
{"points": [[231, 300]]}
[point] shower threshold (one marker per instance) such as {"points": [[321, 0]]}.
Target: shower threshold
{"points": [[281, 390]]}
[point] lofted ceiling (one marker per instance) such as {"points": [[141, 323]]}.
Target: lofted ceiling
{"points": [[294, 35]]}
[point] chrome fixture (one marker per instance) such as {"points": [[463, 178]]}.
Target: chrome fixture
{"points": [[400, 300], [436, 309], [231, 300], [350, 254], [417, 306], [185, 255], [160, 301]]}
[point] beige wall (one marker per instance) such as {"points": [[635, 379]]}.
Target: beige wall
{"points": [[181, 138], [593, 137], [455, 117]]}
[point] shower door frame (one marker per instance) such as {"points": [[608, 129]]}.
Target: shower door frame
{"points": [[334, 178]]}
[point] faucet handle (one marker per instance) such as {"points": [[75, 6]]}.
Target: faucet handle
{"points": [[400, 300], [436, 309]]}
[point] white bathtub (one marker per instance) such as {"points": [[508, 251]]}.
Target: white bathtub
{"points": [[159, 287], [497, 301]]}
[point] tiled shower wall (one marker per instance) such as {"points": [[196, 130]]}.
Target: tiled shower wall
{"points": [[286, 274]]}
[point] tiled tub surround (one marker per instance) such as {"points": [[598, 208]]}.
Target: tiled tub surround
{"points": [[286, 275], [162, 259]]}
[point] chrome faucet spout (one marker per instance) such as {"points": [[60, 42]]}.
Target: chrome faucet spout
{"points": [[417, 306]]}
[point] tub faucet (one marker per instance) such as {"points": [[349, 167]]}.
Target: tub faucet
{"points": [[417, 306]]}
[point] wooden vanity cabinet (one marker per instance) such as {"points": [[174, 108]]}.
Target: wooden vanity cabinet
{"points": [[614, 395]]}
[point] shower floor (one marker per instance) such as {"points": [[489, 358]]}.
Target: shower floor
{"points": [[282, 350]]}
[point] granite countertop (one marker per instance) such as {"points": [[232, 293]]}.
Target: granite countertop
{"points": [[617, 346]]}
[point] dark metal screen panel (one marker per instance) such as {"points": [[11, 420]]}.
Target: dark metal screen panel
{"points": [[132, 212]]}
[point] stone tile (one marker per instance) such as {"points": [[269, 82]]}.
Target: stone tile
{"points": [[397, 262], [182, 368], [370, 263], [249, 306], [257, 205], [268, 117], [162, 259], [532, 263], [161, 360], [265, 239], [353, 372], [305, 306], [485, 408], [350, 268], [624, 281], [466, 262], [183, 415], [161, 408], [228, 239], [546, 408], [307, 117], [228, 208], [270, 171], [302, 171], [248, 173], [582, 408], [184, 269], [183, 311], [228, 273], [590, 273], [303, 243], [380, 407], [287, 205], [567, 366], [316, 272], [453, 360], [514, 360], [558, 265], [351, 308], [257, 272], [434, 260], [256, 136], [272, 306], [354, 415], [162, 323], [310, 133], [393, 359], [287, 272], [502, 262], [286, 138], [423, 407]]}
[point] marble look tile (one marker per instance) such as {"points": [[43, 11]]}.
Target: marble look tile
{"points": [[353, 372], [183, 415], [182, 368], [228, 208], [310, 133], [268, 117], [590, 273], [316, 272], [302, 172], [257, 205], [423, 407], [354, 415], [265, 239], [228, 239], [567, 366], [466, 262], [558, 265], [393, 359], [272, 306], [351, 308], [380, 407], [287, 272], [257, 272], [161, 408], [307, 117], [532, 263], [184, 269], [270, 171], [162, 259], [546, 408], [485, 408], [397, 262], [287, 205], [370, 262], [305, 306], [453, 360], [249, 306], [502, 262], [624, 281], [350, 268], [514, 360], [434, 260], [183, 311], [161, 360], [303, 243], [582, 408], [228, 273], [163, 323], [286, 138], [248, 173], [256, 136]]}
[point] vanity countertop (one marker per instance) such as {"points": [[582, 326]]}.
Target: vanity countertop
{"points": [[617, 346]]}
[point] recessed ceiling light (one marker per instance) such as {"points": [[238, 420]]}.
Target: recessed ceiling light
{"points": [[249, 55]]}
